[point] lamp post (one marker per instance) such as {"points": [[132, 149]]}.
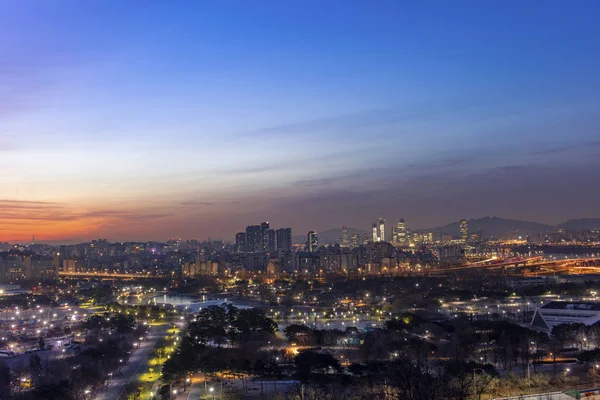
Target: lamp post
{"points": [[212, 390]]}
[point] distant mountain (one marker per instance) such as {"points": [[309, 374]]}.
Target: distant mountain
{"points": [[331, 236], [581, 223], [495, 227]]}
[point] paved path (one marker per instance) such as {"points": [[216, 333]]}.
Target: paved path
{"points": [[137, 365]]}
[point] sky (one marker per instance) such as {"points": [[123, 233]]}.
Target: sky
{"points": [[146, 120]]}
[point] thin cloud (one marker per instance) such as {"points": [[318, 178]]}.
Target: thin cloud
{"points": [[325, 181]]}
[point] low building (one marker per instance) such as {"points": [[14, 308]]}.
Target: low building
{"points": [[565, 312]]}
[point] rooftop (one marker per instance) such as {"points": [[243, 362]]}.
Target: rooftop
{"points": [[570, 305]]}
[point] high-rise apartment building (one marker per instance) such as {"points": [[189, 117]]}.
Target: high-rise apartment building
{"points": [[354, 240], [283, 238], [264, 232], [254, 239], [271, 240], [365, 238], [312, 242], [240, 242], [464, 230], [345, 242]]}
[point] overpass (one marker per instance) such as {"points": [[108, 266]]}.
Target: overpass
{"points": [[105, 275]]}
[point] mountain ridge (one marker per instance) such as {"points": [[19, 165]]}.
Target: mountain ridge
{"points": [[489, 226]]}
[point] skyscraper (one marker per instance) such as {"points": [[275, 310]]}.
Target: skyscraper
{"points": [[464, 230], [354, 240], [375, 237], [381, 229], [345, 236], [312, 242]]}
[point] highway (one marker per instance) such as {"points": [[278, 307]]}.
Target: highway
{"points": [[137, 365]]}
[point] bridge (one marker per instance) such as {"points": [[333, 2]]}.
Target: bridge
{"points": [[105, 275], [576, 265]]}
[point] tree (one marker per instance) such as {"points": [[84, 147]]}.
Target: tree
{"points": [[566, 333], [299, 334], [4, 381], [123, 323], [310, 363], [95, 323], [54, 391], [35, 365]]}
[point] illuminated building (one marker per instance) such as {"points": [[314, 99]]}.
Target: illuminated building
{"points": [[284, 239], [240, 242], [312, 242], [365, 238], [381, 229], [254, 239], [69, 265], [375, 237], [264, 233], [464, 230], [354, 240], [565, 312], [401, 232], [345, 236], [271, 240]]}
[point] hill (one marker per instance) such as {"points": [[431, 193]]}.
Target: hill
{"points": [[581, 223]]}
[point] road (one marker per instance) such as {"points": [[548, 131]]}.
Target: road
{"points": [[137, 365], [192, 392]]}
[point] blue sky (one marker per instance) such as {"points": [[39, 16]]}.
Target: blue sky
{"points": [[137, 119]]}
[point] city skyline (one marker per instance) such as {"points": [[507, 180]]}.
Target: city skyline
{"points": [[141, 122]]}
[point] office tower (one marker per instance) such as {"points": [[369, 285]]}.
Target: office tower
{"points": [[344, 236], [283, 239], [394, 236], [354, 240], [365, 238], [312, 242], [401, 232], [464, 230], [381, 229], [375, 237], [264, 233], [240, 242]]}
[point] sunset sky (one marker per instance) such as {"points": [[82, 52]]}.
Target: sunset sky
{"points": [[154, 119]]}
